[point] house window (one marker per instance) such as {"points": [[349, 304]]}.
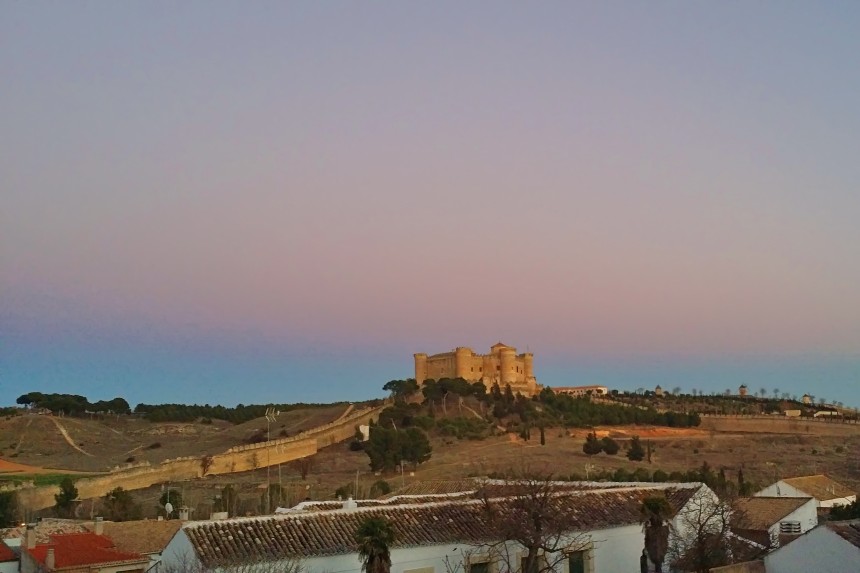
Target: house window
{"points": [[789, 527], [576, 562], [480, 567]]}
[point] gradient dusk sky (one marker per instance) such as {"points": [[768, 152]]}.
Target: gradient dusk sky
{"points": [[278, 202]]}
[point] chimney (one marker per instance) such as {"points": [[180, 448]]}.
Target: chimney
{"points": [[350, 503], [30, 536], [99, 528], [183, 513], [50, 561]]}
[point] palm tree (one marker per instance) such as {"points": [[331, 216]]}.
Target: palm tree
{"points": [[655, 516], [374, 537]]}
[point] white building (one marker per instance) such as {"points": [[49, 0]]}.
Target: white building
{"points": [[826, 491], [771, 521], [831, 547], [435, 534], [579, 391]]}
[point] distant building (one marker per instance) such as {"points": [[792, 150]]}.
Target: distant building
{"points": [[147, 537], [742, 391], [78, 553], [807, 399], [826, 491], [658, 391], [578, 391], [502, 366]]}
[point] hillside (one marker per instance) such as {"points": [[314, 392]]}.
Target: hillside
{"points": [[96, 445]]}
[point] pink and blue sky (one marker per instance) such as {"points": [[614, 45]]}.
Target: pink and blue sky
{"points": [[231, 202]]}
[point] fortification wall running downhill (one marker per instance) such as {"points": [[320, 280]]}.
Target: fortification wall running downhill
{"points": [[234, 460]]}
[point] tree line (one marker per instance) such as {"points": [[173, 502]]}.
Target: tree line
{"points": [[73, 404], [79, 406]]}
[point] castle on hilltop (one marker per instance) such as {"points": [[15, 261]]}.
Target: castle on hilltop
{"points": [[502, 365]]}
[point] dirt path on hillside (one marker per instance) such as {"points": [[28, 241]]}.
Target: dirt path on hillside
{"points": [[346, 412], [7, 467], [68, 438]]}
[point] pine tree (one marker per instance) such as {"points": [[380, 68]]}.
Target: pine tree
{"points": [[636, 452], [592, 445]]}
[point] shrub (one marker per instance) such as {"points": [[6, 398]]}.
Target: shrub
{"points": [[660, 476], [609, 446], [636, 452], [154, 445], [129, 459], [592, 445], [380, 487]]}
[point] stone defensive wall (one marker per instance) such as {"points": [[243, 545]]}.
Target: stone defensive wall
{"points": [[236, 459], [778, 425]]}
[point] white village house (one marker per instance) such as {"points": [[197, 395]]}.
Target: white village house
{"points": [[826, 491], [434, 533], [832, 547], [773, 521]]}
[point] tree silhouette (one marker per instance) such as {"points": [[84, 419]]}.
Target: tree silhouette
{"points": [[65, 500], [374, 537], [656, 512]]}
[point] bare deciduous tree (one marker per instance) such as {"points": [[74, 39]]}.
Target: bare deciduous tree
{"points": [[532, 526], [704, 537]]}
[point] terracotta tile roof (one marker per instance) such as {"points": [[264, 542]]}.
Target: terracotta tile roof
{"points": [[331, 533], [434, 487], [384, 502], [763, 512], [82, 549], [820, 487], [44, 529], [847, 530], [6, 554], [142, 536]]}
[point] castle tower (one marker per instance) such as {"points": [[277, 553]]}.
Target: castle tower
{"points": [[462, 362], [420, 368], [528, 365], [508, 358], [487, 370]]}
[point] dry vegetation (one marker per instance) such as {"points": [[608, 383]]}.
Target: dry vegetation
{"points": [[729, 444]]}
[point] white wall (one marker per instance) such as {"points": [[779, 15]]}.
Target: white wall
{"points": [[780, 489], [806, 514], [839, 501], [614, 550], [819, 550], [9, 566]]}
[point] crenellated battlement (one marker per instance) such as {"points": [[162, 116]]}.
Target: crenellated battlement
{"points": [[501, 366]]}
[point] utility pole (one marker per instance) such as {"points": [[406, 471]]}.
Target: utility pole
{"points": [[271, 416]]}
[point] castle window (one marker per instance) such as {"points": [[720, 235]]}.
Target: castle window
{"points": [[498, 368], [472, 369]]}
